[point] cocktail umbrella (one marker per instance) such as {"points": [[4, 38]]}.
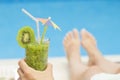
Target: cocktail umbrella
{"points": [[46, 23], [42, 20]]}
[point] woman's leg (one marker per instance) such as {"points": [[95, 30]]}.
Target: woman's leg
{"points": [[72, 47], [89, 43], [95, 56]]}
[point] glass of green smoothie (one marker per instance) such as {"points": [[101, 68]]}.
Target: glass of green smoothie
{"points": [[36, 51], [36, 48], [37, 55]]}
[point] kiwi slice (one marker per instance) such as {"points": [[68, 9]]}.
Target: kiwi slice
{"points": [[25, 36]]}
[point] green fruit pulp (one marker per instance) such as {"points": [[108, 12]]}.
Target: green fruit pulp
{"points": [[25, 36], [37, 55]]}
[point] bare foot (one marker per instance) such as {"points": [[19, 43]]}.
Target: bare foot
{"points": [[72, 47], [89, 43], [95, 56]]}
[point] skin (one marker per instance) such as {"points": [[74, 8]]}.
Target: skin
{"points": [[78, 71], [96, 64], [27, 73]]}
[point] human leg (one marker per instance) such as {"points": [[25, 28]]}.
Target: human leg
{"points": [[95, 56], [72, 47]]}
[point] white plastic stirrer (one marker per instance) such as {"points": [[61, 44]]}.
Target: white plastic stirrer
{"points": [[37, 22]]}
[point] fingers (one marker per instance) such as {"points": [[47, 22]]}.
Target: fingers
{"points": [[20, 72], [27, 73], [23, 66]]}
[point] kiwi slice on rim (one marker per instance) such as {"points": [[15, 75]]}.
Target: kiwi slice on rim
{"points": [[25, 36]]}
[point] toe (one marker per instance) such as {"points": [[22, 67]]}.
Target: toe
{"points": [[69, 36], [64, 41], [85, 34], [91, 37], [76, 34]]}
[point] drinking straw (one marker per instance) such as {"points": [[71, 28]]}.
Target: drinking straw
{"points": [[27, 13], [45, 30], [38, 31], [44, 33], [37, 22]]}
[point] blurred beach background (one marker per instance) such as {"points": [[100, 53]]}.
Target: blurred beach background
{"points": [[100, 17]]}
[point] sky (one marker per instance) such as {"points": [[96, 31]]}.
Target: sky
{"points": [[101, 18]]}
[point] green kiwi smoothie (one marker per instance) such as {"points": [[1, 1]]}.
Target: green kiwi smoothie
{"points": [[36, 51], [36, 48], [37, 55]]}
